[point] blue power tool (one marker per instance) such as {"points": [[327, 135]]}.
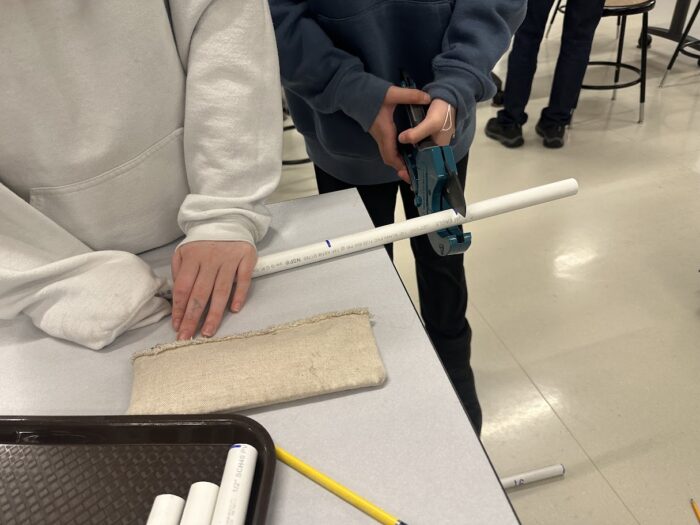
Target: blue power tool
{"points": [[435, 183]]}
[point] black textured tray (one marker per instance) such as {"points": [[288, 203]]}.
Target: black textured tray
{"points": [[108, 470]]}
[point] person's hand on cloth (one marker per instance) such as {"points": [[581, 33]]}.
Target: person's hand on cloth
{"points": [[439, 124], [205, 273], [383, 130]]}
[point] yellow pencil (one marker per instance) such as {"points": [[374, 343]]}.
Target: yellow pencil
{"points": [[696, 509], [336, 488]]}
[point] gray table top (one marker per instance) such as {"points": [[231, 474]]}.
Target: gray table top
{"points": [[407, 446]]}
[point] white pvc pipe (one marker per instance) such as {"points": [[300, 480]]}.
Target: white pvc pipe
{"points": [[166, 510], [236, 484], [200, 503], [532, 476], [355, 242]]}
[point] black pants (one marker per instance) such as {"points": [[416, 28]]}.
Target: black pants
{"points": [[580, 22], [442, 286]]}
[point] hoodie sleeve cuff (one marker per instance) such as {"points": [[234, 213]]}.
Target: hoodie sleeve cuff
{"points": [[360, 95], [239, 229]]}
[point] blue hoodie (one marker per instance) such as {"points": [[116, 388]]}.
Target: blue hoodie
{"points": [[339, 57]]}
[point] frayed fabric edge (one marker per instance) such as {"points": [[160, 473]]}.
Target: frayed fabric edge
{"points": [[158, 349]]}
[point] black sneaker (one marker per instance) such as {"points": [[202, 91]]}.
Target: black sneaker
{"points": [[510, 135], [552, 134]]}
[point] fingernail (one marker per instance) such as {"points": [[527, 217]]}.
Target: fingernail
{"points": [[236, 308], [208, 331]]}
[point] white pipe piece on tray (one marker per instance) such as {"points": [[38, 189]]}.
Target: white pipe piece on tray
{"points": [[236, 485], [355, 242], [199, 507], [532, 476], [166, 510]]}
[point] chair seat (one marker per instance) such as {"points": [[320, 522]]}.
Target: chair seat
{"points": [[627, 7]]}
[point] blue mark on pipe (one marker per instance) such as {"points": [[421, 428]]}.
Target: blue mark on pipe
{"points": [[328, 243]]}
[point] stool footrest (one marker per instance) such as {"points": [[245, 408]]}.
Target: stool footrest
{"points": [[690, 44], [628, 67]]}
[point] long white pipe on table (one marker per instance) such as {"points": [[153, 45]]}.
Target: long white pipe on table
{"points": [[355, 242]]}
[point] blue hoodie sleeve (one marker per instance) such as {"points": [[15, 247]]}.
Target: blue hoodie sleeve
{"points": [[327, 78], [478, 34]]}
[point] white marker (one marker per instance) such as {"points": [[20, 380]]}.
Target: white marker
{"points": [[166, 510], [532, 476], [199, 507], [236, 483]]}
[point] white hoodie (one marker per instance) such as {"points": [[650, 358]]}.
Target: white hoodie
{"points": [[123, 125]]}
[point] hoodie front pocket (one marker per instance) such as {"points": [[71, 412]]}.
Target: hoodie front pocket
{"points": [[132, 207]]}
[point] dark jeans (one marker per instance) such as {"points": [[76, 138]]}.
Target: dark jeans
{"points": [[442, 286], [580, 22]]}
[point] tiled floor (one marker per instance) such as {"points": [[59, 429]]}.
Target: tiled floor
{"points": [[586, 312]]}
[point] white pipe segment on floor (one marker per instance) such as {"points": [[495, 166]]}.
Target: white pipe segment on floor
{"points": [[533, 476], [355, 242]]}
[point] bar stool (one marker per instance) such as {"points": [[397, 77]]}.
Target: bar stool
{"points": [[623, 9], [557, 9], [684, 43], [562, 9]]}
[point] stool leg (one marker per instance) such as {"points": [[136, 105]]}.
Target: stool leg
{"points": [[620, 43], [554, 15], [680, 44], [643, 83], [617, 31]]}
